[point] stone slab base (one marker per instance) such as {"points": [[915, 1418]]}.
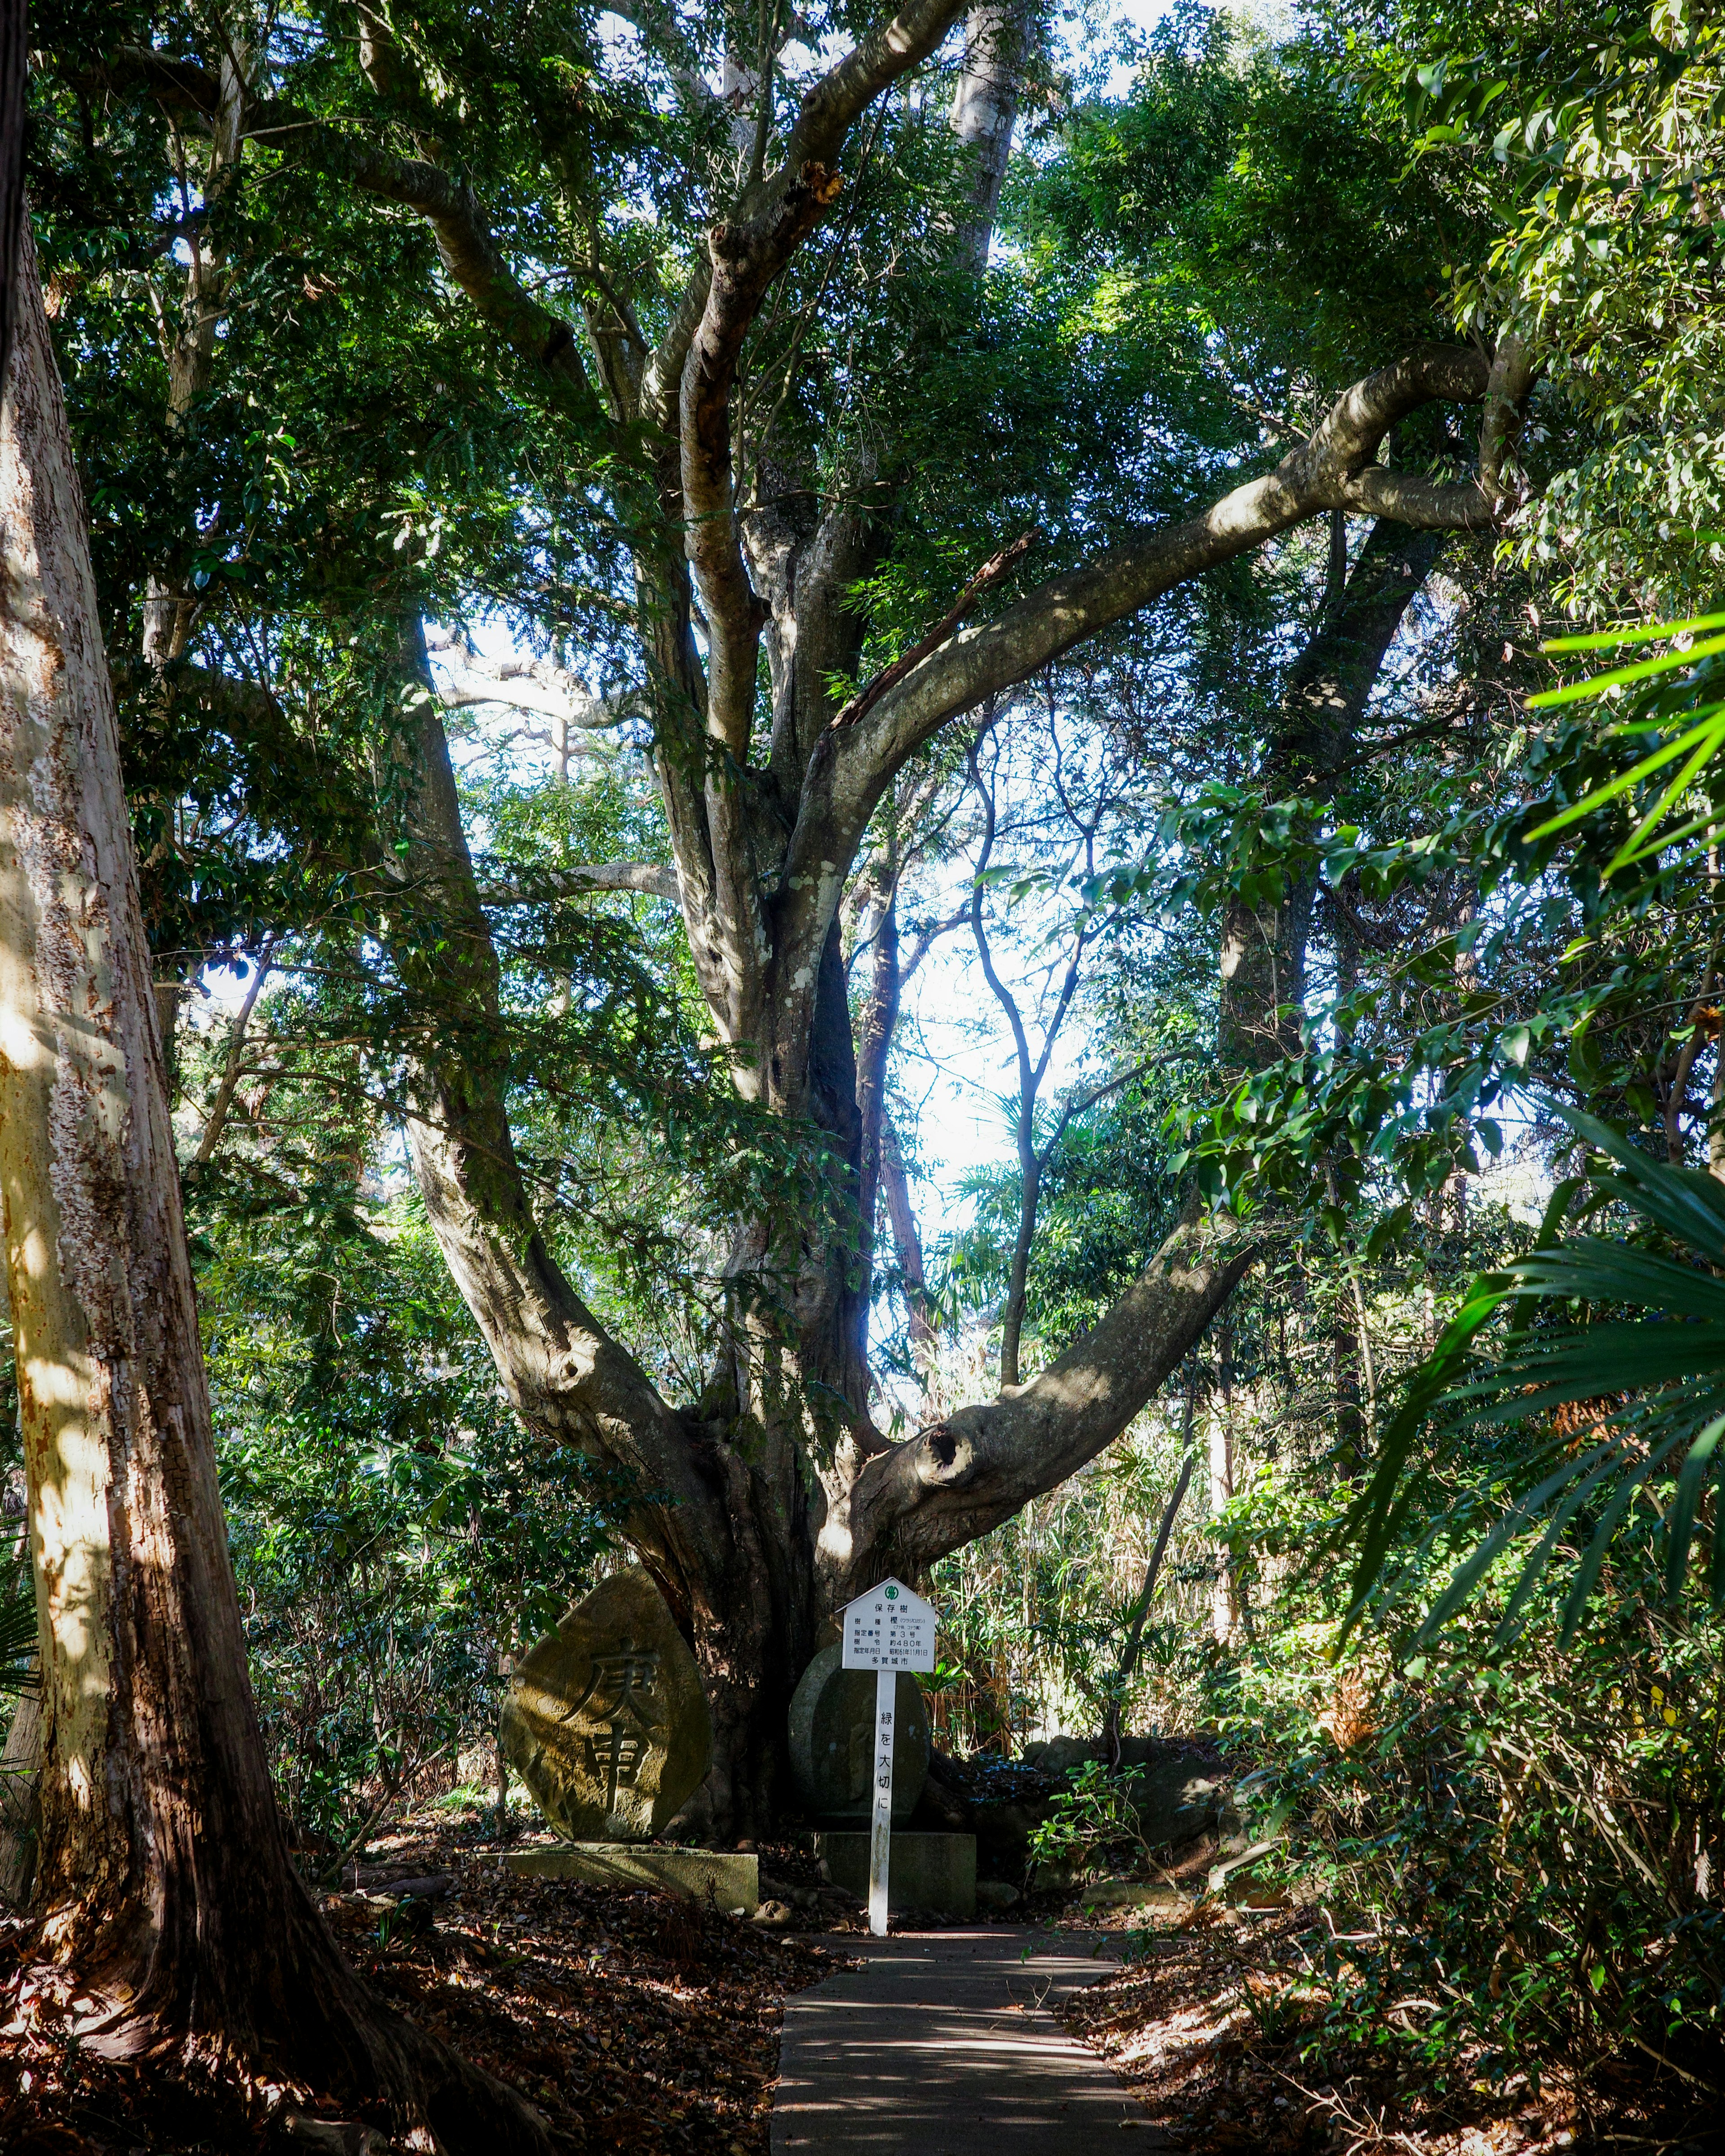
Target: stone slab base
{"points": [[733, 1881], [935, 1872]]}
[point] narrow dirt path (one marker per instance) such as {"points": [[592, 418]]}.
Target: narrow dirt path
{"points": [[941, 2046]]}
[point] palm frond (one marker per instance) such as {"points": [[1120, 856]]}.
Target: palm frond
{"points": [[1633, 1336], [17, 1628]]}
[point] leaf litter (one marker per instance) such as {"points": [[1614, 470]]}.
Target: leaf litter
{"points": [[1214, 2017], [632, 2021]]}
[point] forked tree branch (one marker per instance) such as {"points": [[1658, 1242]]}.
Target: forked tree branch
{"points": [[220, 1107], [525, 692], [1333, 470], [745, 258], [828, 112], [747, 253]]}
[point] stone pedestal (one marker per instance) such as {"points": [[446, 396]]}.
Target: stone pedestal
{"points": [[735, 1880], [933, 1873]]}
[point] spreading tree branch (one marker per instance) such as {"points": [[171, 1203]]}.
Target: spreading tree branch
{"points": [[853, 764], [535, 887], [965, 1475]]}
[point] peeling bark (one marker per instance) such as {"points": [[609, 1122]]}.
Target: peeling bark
{"points": [[164, 1886]]}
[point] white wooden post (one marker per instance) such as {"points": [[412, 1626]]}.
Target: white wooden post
{"points": [[885, 1630], [881, 1827]]}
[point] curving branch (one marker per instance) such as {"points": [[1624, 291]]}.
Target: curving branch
{"points": [[537, 886], [1334, 468], [467, 246], [848, 88], [1312, 736], [564, 1372], [457, 216], [965, 1475]]}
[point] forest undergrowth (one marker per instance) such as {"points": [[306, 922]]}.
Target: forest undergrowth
{"points": [[1217, 2020]]}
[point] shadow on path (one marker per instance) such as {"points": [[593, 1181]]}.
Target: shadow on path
{"points": [[942, 2047]]}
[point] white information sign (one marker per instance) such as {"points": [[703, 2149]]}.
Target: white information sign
{"points": [[886, 1630]]}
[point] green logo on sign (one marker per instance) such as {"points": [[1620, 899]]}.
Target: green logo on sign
{"points": [[892, 1594]]}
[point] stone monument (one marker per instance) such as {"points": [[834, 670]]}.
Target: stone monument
{"points": [[832, 1736], [606, 1721]]}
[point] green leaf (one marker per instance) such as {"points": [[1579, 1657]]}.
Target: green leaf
{"points": [[1679, 1526], [1644, 670], [1586, 1575]]}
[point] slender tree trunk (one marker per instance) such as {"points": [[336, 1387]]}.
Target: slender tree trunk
{"points": [[1018, 1275], [21, 1802], [1224, 1599], [189, 332], [1263, 959], [907, 1239], [1133, 1646], [164, 1884], [997, 37]]}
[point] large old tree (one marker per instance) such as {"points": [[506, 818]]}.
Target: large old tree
{"points": [[751, 508], [172, 1920]]}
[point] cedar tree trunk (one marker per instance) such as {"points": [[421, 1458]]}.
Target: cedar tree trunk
{"points": [[164, 1890]]}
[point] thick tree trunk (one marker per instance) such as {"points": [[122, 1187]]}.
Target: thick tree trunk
{"points": [[1263, 962], [755, 1532], [772, 1499], [715, 1504], [163, 1882], [876, 1025], [783, 1500]]}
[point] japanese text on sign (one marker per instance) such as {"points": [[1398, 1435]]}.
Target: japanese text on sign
{"points": [[888, 1628]]}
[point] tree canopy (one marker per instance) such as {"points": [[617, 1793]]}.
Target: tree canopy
{"points": [[673, 579]]}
